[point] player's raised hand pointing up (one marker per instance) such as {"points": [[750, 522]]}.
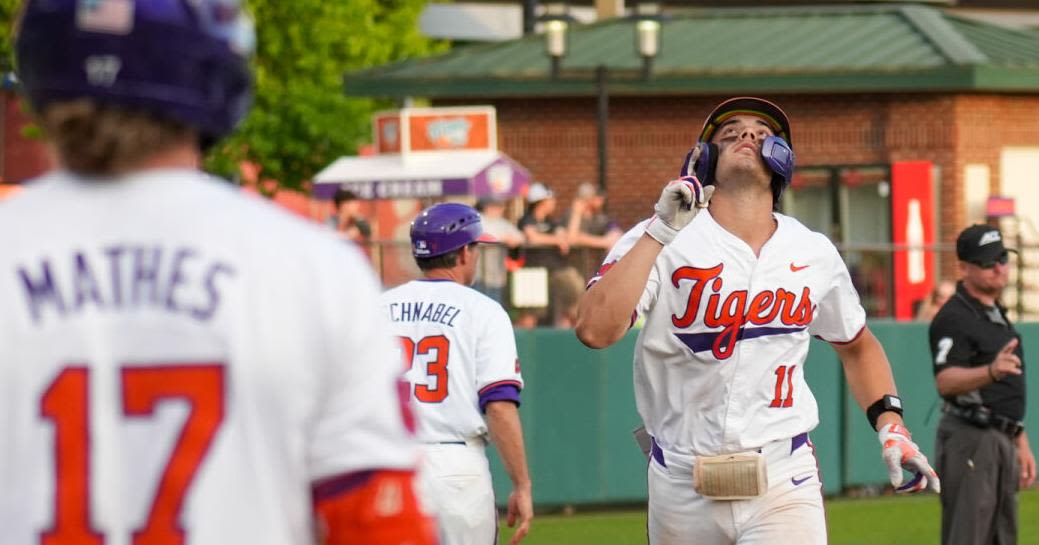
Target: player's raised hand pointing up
{"points": [[1006, 362], [679, 203]]}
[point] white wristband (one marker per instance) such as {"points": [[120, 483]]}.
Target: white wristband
{"points": [[661, 231]]}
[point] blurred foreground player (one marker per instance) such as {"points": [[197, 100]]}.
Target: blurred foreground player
{"points": [[460, 353], [179, 364]]}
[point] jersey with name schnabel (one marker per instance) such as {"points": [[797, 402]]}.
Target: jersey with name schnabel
{"points": [[967, 333], [460, 354], [719, 361]]}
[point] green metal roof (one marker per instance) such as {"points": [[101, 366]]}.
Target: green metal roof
{"points": [[875, 48]]}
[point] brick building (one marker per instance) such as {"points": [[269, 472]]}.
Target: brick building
{"points": [[866, 87], [21, 156]]}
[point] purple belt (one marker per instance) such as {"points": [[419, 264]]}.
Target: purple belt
{"points": [[658, 454]]}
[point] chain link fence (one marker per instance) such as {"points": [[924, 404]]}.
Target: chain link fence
{"points": [[871, 267]]}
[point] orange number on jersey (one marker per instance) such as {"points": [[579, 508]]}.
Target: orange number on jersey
{"points": [[437, 367], [781, 373], [67, 403], [408, 347], [203, 387]]}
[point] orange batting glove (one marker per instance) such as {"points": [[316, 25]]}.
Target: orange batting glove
{"points": [[900, 452]]}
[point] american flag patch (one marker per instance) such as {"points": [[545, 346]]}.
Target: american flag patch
{"points": [[108, 16]]}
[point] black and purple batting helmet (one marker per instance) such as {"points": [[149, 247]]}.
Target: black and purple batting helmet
{"points": [[185, 60], [777, 151], [446, 227], [772, 114]]}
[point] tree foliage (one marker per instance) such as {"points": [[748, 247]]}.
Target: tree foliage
{"points": [[301, 120], [8, 10]]}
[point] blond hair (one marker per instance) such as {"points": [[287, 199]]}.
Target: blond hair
{"points": [[95, 140]]}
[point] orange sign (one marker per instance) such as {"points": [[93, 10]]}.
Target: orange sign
{"points": [[454, 128], [387, 133], [436, 132]]}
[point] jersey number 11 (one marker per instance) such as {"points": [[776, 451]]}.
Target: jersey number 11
{"points": [[784, 374]]}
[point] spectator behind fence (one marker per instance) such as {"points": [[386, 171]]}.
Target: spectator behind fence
{"points": [[546, 237], [586, 222], [546, 246], [347, 219], [934, 301], [590, 232], [492, 275]]}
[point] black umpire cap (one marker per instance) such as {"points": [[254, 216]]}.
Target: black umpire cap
{"points": [[981, 244]]}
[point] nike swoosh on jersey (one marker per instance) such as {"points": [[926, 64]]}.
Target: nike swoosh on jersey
{"points": [[795, 268], [797, 482], [700, 342]]}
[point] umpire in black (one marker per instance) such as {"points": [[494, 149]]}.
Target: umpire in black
{"points": [[981, 449]]}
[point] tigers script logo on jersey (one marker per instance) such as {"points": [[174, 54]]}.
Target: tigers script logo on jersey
{"points": [[737, 310]]}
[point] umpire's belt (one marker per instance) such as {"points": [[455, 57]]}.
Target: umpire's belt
{"points": [[983, 417]]}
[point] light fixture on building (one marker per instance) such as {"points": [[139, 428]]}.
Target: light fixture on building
{"points": [[647, 19], [556, 21]]}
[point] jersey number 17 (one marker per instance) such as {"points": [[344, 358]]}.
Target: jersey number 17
{"points": [[66, 403]]}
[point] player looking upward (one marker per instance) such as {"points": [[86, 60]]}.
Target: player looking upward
{"points": [[731, 291], [180, 364], [460, 352]]}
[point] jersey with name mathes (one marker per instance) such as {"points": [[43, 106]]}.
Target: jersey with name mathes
{"points": [[179, 362], [719, 363], [457, 345]]}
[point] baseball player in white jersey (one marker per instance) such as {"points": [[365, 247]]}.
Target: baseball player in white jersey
{"points": [[730, 291], [460, 354], [180, 364]]}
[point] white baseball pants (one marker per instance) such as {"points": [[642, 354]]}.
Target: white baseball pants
{"points": [[455, 480], [790, 512]]}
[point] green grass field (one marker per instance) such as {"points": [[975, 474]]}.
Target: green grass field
{"points": [[886, 520]]}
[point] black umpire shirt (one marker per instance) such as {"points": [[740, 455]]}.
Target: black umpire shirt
{"points": [[966, 333]]}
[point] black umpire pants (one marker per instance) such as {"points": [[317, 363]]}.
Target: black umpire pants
{"points": [[979, 473]]}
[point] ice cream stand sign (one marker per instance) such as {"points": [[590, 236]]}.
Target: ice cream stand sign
{"points": [[417, 130]]}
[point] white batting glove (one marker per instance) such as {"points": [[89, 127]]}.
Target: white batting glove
{"points": [[900, 452], [679, 203]]}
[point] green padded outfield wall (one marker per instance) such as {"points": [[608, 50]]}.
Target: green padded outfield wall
{"points": [[579, 411], [907, 348]]}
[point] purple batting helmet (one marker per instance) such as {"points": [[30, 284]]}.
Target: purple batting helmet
{"points": [[446, 227], [185, 60], [777, 151]]}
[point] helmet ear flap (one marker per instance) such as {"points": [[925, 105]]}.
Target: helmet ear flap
{"points": [[779, 157], [708, 162]]}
